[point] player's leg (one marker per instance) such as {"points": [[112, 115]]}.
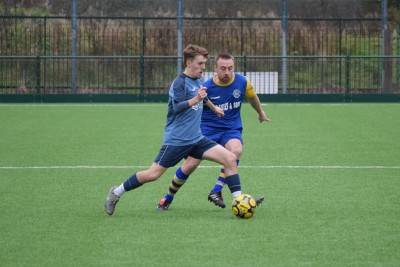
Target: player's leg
{"points": [[179, 179], [168, 156], [134, 181], [224, 157], [236, 147]]}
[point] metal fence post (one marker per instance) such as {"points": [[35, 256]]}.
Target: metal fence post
{"points": [[244, 65], [38, 82], [398, 53], [284, 52], [347, 75], [143, 36], [141, 75], [73, 48], [241, 38], [340, 53], [384, 28], [179, 44], [45, 50]]}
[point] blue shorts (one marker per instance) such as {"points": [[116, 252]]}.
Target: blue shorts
{"points": [[223, 137], [169, 155]]}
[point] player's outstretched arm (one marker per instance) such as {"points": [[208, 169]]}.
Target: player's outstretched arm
{"points": [[256, 104]]}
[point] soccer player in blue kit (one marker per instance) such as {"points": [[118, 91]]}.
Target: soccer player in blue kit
{"points": [[182, 135], [227, 90]]}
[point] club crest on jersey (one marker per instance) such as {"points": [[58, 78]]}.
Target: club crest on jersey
{"points": [[236, 93]]}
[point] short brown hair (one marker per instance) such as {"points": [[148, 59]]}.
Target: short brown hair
{"points": [[223, 56], [191, 51]]}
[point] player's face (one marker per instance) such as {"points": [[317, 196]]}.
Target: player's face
{"points": [[224, 69], [195, 67]]}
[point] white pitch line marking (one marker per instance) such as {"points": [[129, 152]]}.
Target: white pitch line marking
{"points": [[243, 167]]}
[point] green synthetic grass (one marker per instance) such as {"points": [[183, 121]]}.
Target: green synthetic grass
{"points": [[330, 174]]}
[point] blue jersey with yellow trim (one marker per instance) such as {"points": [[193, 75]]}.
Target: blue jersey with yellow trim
{"points": [[228, 97], [183, 128]]}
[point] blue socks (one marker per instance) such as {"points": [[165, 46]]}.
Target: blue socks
{"points": [[176, 183], [221, 181], [132, 183], [233, 182]]}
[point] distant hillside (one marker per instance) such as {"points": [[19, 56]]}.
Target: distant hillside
{"points": [[198, 8]]}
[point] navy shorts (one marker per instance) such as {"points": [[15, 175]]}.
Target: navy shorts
{"points": [[222, 137], [169, 155]]}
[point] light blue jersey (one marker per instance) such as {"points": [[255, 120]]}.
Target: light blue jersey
{"points": [[183, 126]]}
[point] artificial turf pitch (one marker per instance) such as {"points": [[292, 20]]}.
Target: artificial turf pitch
{"points": [[330, 174]]}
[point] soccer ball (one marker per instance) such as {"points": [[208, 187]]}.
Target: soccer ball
{"points": [[244, 206]]}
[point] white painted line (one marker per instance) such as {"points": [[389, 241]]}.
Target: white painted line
{"points": [[134, 104], [240, 167]]}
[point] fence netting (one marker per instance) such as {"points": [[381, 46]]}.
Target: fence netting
{"points": [[331, 46]]}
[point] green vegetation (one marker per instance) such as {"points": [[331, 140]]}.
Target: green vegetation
{"points": [[330, 175], [136, 36], [33, 31]]}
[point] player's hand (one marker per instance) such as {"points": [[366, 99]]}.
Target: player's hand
{"points": [[220, 113], [201, 94], [262, 117]]}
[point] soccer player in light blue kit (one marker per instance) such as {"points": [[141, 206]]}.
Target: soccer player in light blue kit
{"points": [[227, 89], [182, 136]]}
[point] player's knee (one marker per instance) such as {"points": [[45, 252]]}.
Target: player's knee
{"points": [[237, 152], [188, 169], [189, 166], [230, 168], [230, 160]]}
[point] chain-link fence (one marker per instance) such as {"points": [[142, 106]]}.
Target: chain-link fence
{"points": [[153, 75], [348, 51]]}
